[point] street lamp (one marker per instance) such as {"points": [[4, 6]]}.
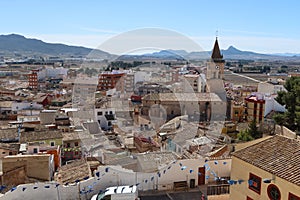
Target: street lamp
{"points": [[268, 180]]}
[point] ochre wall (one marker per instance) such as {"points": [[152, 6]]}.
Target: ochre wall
{"points": [[240, 170]]}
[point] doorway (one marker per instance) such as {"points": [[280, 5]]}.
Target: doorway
{"points": [[201, 175]]}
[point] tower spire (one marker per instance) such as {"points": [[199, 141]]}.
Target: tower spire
{"points": [[216, 53]]}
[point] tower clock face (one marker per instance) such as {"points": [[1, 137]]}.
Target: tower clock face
{"points": [[217, 67]]}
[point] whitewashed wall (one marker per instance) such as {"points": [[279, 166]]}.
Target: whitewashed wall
{"points": [[116, 175]]}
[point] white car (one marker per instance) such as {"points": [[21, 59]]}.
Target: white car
{"points": [[118, 193]]}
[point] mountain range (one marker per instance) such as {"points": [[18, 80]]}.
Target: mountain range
{"points": [[18, 45], [14, 45]]}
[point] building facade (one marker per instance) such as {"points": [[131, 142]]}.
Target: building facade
{"points": [[269, 169], [194, 83], [198, 106], [255, 107], [33, 80], [111, 80]]}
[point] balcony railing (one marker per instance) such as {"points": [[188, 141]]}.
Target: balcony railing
{"points": [[218, 189]]}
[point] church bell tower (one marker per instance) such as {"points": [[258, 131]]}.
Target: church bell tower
{"points": [[215, 66]]}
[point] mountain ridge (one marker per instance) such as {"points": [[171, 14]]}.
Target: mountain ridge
{"points": [[13, 44]]}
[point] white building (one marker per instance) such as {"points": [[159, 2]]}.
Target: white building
{"points": [[18, 106], [269, 88], [50, 72], [129, 82], [272, 105], [142, 76], [105, 117]]}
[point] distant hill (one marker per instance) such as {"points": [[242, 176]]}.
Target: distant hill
{"points": [[18, 44], [234, 53], [230, 53]]}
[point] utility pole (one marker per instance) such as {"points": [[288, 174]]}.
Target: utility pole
{"points": [[31, 105]]}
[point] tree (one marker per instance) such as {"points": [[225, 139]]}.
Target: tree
{"points": [[250, 133], [280, 119], [244, 136], [253, 130], [228, 64], [291, 100]]}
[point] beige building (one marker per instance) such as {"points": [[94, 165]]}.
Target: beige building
{"points": [[19, 169], [7, 149], [170, 105], [270, 169], [194, 83], [236, 111], [269, 88]]}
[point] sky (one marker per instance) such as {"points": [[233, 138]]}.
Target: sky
{"points": [[265, 26]]}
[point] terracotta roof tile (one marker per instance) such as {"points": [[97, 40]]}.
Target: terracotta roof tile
{"points": [[39, 135], [278, 155], [77, 170], [182, 97]]}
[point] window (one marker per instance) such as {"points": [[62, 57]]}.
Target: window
{"points": [[76, 144], [111, 112], [52, 143], [68, 145], [35, 150], [100, 113], [254, 183], [273, 192], [293, 197]]}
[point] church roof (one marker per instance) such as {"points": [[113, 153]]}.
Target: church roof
{"points": [[216, 53], [182, 97]]}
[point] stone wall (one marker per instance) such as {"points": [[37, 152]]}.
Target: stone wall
{"points": [[282, 130]]}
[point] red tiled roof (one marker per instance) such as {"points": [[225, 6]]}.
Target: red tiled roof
{"points": [[278, 155]]}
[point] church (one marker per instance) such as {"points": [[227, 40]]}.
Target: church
{"points": [[203, 106], [215, 66], [215, 72]]}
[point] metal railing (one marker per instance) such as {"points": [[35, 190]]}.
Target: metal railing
{"points": [[218, 189]]}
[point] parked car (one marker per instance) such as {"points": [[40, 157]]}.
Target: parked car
{"points": [[118, 193]]}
